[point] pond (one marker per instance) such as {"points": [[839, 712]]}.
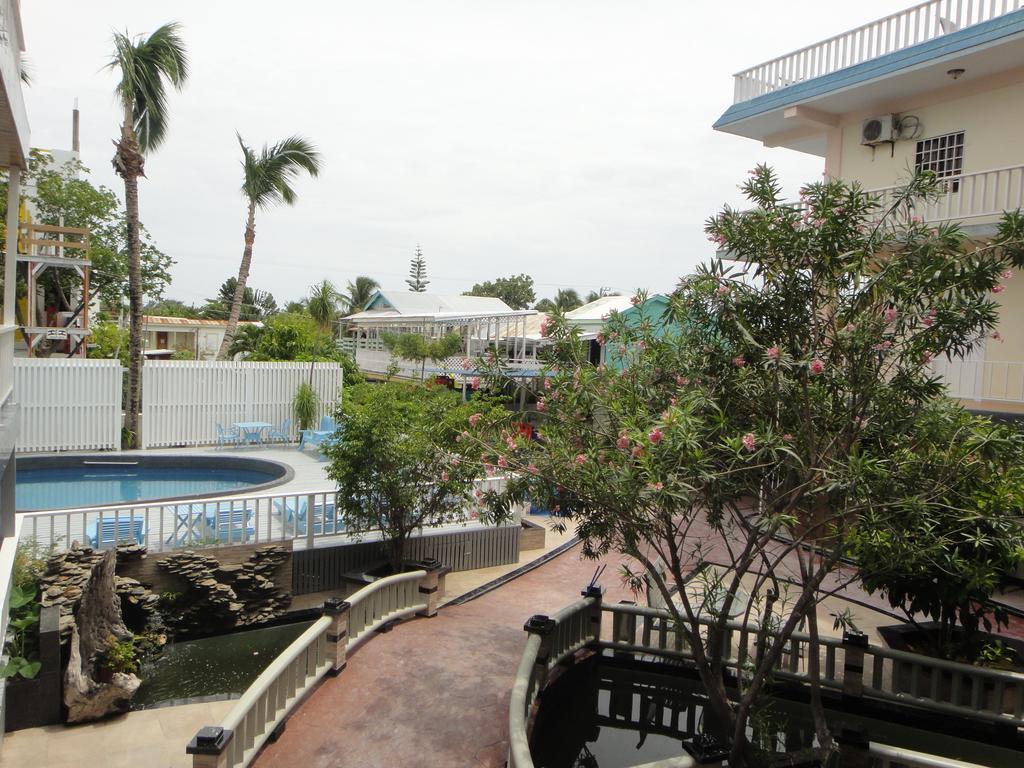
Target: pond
{"points": [[219, 667], [603, 714]]}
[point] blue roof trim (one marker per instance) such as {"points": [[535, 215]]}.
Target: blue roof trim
{"points": [[954, 42]]}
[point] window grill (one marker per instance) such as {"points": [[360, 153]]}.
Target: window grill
{"points": [[943, 156]]}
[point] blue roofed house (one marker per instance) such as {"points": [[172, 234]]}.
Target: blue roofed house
{"points": [[937, 87], [591, 319]]}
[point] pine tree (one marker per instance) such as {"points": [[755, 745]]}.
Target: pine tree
{"points": [[418, 273]]}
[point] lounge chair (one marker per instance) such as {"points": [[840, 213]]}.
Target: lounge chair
{"points": [[294, 519], [198, 523], [111, 531], [328, 427]]}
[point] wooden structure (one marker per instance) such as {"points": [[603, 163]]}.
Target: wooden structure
{"points": [[42, 247]]}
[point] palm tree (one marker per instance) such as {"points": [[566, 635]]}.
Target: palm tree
{"points": [[360, 291], [567, 300], [147, 66], [323, 305], [268, 178]]}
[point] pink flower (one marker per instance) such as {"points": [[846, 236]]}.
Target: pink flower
{"points": [[444, 476], [788, 438], [623, 442], [622, 349], [511, 443], [541, 405], [600, 339], [933, 312], [850, 328], [773, 353], [502, 462], [642, 345], [1006, 274], [673, 401], [749, 441], [927, 357], [997, 335], [817, 367], [456, 461], [739, 362], [682, 381], [467, 363], [475, 383], [532, 469], [655, 486], [723, 289], [916, 219], [547, 383], [998, 288], [475, 418], [580, 459], [544, 327], [655, 435], [478, 493], [882, 346], [891, 315], [488, 468], [928, 322]]}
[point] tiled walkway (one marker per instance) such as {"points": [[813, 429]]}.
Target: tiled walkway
{"points": [[433, 693]]}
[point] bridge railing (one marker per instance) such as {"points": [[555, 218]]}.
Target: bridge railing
{"points": [[320, 650]]}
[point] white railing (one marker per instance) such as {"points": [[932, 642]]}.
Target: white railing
{"points": [[7, 333], [969, 196], [305, 518], [888, 675], [282, 685], [919, 24], [184, 400], [884, 756], [996, 380], [68, 404]]}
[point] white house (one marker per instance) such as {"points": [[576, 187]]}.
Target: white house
{"points": [[165, 335]]}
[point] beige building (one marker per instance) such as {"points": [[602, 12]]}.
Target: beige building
{"points": [[938, 87], [162, 336]]}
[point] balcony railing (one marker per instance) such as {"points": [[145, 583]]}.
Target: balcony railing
{"points": [[969, 196], [919, 24], [998, 381]]}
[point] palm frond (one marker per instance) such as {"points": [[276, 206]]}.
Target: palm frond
{"points": [[147, 65], [270, 174]]}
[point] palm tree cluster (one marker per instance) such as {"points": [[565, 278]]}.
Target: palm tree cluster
{"points": [[148, 68]]}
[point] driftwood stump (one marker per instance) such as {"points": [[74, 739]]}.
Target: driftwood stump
{"points": [[98, 624]]}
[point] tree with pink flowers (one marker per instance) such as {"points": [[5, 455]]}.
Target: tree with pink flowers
{"points": [[756, 437]]}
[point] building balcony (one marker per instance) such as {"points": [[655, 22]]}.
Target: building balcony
{"points": [[14, 132], [916, 25]]}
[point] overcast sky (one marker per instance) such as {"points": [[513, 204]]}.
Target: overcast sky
{"points": [[568, 140]]}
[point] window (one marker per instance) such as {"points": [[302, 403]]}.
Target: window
{"points": [[944, 156]]}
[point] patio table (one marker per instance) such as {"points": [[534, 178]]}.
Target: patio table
{"points": [[252, 430]]}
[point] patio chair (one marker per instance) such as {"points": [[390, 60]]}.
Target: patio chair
{"points": [[328, 427], [284, 434], [293, 518], [228, 436], [202, 523], [111, 531]]}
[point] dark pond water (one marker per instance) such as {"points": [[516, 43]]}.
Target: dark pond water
{"points": [[220, 667], [603, 716]]}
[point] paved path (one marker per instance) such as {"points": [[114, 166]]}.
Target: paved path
{"points": [[433, 693]]}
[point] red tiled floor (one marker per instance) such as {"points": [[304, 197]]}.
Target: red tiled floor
{"points": [[433, 692]]}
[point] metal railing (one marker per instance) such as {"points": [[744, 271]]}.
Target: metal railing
{"points": [[304, 518], [886, 674], [915, 25], [296, 671]]}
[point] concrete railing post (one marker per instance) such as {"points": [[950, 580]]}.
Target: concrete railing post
{"points": [[432, 586], [209, 747], [854, 644], [596, 592], [541, 625], [337, 610]]}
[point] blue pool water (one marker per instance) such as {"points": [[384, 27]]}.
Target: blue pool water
{"points": [[96, 484]]}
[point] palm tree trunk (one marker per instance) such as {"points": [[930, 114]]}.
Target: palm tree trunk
{"points": [[243, 277], [129, 164]]}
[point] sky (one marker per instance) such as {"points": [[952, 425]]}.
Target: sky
{"points": [[567, 139]]}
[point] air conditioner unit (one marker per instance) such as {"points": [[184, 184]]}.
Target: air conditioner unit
{"points": [[878, 130]]}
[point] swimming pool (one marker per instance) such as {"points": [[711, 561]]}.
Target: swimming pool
{"points": [[63, 482]]}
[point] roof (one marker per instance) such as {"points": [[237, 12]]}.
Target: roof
{"points": [[599, 309], [400, 304], [960, 42], [190, 322]]}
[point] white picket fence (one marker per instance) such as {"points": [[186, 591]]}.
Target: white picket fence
{"points": [[68, 404], [184, 400]]}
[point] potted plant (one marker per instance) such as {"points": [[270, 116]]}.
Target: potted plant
{"points": [[304, 406]]}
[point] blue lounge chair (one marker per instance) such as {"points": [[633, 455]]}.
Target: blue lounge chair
{"points": [[296, 519], [227, 436], [224, 521], [111, 531], [328, 427], [284, 434]]}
